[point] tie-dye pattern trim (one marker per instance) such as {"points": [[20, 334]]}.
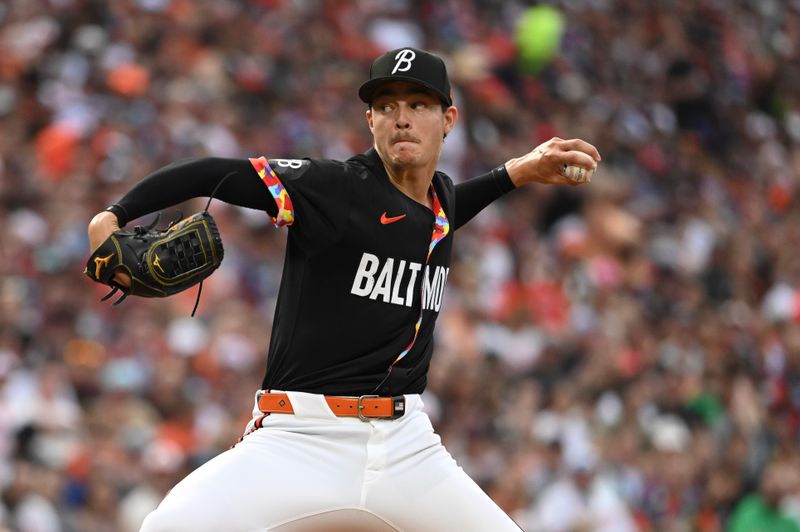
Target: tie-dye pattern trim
{"points": [[282, 200], [440, 229]]}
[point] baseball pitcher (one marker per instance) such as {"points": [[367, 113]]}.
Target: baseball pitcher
{"points": [[338, 424]]}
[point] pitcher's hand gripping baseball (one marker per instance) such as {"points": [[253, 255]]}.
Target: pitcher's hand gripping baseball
{"points": [[556, 162]]}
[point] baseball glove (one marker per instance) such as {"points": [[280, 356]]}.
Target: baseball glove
{"points": [[160, 262]]}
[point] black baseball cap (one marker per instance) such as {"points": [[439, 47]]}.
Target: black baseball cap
{"points": [[408, 64]]}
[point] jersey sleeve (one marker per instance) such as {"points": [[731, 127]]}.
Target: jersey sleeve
{"points": [[230, 180], [473, 195], [312, 196]]}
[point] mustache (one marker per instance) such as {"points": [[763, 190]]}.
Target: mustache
{"points": [[404, 138]]}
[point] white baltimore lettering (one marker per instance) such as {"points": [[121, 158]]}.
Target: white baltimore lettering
{"points": [[382, 281], [443, 273], [427, 286], [396, 299], [413, 268], [433, 287], [365, 275], [383, 285]]}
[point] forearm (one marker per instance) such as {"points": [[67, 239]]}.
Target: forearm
{"points": [[474, 195], [194, 178]]}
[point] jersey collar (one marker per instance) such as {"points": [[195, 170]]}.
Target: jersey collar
{"points": [[373, 160]]}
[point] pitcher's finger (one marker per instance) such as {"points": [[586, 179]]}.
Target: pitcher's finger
{"points": [[581, 145], [579, 158]]}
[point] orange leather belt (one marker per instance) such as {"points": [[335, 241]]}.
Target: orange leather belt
{"points": [[365, 407]]}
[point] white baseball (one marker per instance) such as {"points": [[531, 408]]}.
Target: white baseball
{"points": [[578, 174]]}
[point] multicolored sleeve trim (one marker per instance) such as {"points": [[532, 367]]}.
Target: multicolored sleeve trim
{"points": [[282, 200]]}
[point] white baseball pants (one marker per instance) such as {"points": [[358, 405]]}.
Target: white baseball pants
{"points": [[312, 470]]}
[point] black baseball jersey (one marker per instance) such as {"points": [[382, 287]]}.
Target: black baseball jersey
{"points": [[365, 266], [363, 278]]}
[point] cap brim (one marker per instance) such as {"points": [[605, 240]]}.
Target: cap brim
{"points": [[367, 90]]}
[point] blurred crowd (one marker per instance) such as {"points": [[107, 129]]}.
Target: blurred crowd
{"points": [[621, 356]]}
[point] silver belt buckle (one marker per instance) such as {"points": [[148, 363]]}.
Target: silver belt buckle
{"points": [[361, 398]]}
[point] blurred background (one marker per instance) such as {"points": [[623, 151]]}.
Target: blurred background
{"points": [[622, 356]]}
